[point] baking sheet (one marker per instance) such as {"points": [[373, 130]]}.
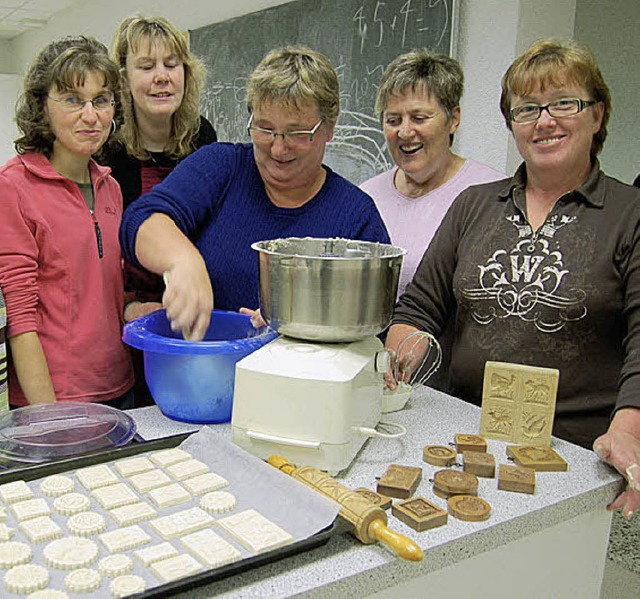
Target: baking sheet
{"points": [[302, 512]]}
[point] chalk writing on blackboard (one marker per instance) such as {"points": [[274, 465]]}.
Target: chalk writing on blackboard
{"points": [[359, 36]]}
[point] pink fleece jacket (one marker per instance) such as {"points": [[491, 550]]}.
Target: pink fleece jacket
{"points": [[61, 275]]}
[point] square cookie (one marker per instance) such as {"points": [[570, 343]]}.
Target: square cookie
{"points": [[255, 532]]}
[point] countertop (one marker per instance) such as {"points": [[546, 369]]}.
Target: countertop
{"points": [[347, 567]]}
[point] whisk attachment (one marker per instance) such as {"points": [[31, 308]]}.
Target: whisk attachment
{"points": [[410, 367], [417, 359]]}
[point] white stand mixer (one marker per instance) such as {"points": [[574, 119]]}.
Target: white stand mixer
{"points": [[317, 398]]}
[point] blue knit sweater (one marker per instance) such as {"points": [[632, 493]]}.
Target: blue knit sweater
{"points": [[217, 199]]}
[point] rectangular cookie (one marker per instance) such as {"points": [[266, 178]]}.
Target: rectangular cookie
{"points": [[115, 496], [175, 567], [123, 539], [169, 495], [205, 483], [181, 523], [94, 477], [255, 532], [31, 508], [210, 548], [144, 482], [187, 469], [132, 466], [133, 513], [155, 553], [166, 457]]}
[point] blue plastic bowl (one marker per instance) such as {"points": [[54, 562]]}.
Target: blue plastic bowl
{"points": [[193, 381]]}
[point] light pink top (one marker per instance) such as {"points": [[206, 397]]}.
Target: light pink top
{"points": [[412, 222]]}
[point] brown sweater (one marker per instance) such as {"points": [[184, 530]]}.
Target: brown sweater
{"points": [[565, 297]]}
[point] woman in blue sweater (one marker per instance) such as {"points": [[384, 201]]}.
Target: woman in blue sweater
{"points": [[197, 226]]}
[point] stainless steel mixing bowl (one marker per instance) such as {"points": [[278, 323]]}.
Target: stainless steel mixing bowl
{"points": [[328, 290]]}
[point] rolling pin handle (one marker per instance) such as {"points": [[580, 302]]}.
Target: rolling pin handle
{"points": [[402, 546]]}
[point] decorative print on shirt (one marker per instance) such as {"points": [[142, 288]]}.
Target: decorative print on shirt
{"points": [[525, 282]]}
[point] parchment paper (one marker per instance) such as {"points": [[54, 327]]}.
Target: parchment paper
{"points": [[299, 510]]}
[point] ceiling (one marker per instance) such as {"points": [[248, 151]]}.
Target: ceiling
{"points": [[18, 16]]}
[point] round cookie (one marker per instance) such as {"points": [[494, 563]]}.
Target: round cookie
{"points": [[71, 503], [26, 578], [14, 553], [126, 585], [85, 524], [83, 580], [70, 553], [114, 565], [56, 485], [218, 502]]}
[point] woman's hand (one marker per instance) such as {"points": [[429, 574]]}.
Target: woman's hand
{"points": [[620, 447], [406, 354], [135, 310], [188, 298], [256, 317]]}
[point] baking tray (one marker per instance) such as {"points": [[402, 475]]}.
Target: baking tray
{"points": [[176, 587]]}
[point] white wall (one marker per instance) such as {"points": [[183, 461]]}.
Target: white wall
{"points": [[10, 86], [611, 30], [99, 19]]}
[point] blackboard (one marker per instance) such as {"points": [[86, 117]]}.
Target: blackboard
{"points": [[359, 36]]}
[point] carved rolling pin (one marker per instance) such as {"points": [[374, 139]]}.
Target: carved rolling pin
{"points": [[368, 520]]}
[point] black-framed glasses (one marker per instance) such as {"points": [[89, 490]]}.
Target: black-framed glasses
{"points": [[528, 113], [72, 103], [293, 138]]}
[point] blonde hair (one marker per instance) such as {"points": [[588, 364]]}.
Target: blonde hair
{"points": [[551, 62], [131, 35], [295, 76]]}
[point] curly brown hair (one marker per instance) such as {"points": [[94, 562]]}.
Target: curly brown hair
{"points": [[131, 35], [63, 64]]}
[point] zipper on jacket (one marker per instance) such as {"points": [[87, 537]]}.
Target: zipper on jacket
{"points": [[98, 235]]}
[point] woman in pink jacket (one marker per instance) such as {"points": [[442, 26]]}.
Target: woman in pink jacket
{"points": [[60, 266]]}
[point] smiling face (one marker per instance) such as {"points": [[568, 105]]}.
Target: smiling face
{"points": [[283, 167], [79, 134], [561, 144], [155, 78], [417, 131]]}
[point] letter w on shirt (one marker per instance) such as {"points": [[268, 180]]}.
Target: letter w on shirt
{"points": [[524, 267]]}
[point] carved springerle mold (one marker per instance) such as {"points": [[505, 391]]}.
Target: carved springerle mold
{"points": [[541, 459], [516, 478], [518, 403], [480, 464], [399, 481], [419, 514], [466, 442]]}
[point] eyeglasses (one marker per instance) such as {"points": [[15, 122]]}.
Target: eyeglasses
{"points": [[528, 113], [293, 138], [72, 103]]}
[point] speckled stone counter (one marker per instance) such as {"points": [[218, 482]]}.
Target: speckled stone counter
{"points": [[553, 541]]}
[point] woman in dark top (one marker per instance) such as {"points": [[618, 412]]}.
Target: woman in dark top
{"points": [[162, 81], [162, 125]]}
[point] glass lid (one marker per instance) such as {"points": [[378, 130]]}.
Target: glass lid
{"points": [[45, 432]]}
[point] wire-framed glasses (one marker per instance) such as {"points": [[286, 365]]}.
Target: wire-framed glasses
{"points": [[527, 113], [293, 138], [72, 103]]}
